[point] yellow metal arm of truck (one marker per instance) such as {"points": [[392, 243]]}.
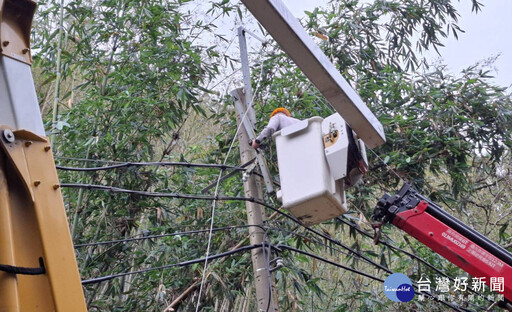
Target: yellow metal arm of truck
{"points": [[38, 269]]}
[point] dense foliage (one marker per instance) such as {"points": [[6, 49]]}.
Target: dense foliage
{"points": [[142, 81]]}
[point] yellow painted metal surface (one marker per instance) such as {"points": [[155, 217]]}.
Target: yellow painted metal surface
{"points": [[8, 295], [33, 225], [15, 24]]}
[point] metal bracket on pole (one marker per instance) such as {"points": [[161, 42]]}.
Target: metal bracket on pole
{"points": [[245, 30], [238, 97]]}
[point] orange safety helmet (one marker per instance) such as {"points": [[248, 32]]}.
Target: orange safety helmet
{"points": [[281, 110]]}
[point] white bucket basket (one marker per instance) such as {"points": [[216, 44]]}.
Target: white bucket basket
{"points": [[308, 189]]}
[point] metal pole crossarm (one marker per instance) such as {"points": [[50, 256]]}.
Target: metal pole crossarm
{"points": [[295, 41]]}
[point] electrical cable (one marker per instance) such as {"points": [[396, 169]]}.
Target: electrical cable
{"points": [[336, 249], [355, 227], [232, 173], [316, 241], [334, 241], [150, 194], [164, 235], [215, 198], [141, 164], [361, 256], [179, 264], [329, 262], [278, 247]]}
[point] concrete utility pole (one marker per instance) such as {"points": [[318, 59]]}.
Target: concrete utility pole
{"points": [[255, 215]]}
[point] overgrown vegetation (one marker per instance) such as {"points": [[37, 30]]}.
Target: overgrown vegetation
{"points": [[142, 81]]}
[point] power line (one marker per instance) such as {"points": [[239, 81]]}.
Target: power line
{"points": [[316, 241], [329, 238], [215, 198], [406, 253], [357, 272], [350, 255], [329, 262], [392, 247], [111, 242], [232, 173], [179, 264], [350, 249], [141, 164], [151, 194]]}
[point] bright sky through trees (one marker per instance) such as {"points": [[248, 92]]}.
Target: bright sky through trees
{"points": [[486, 36]]}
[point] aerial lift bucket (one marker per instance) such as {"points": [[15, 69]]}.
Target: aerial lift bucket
{"points": [[312, 158]]}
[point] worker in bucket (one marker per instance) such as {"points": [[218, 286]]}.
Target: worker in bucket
{"points": [[279, 119]]}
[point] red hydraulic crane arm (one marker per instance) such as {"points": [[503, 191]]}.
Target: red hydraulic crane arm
{"points": [[450, 238]]}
